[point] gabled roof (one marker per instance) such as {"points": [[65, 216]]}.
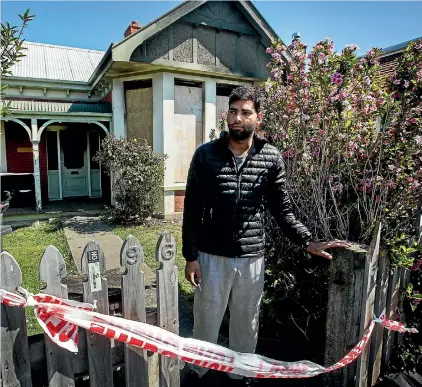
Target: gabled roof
{"points": [[123, 50], [51, 62]]}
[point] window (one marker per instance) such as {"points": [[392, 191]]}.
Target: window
{"points": [[73, 143]]}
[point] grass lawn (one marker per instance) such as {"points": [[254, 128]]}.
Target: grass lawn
{"points": [[27, 246], [148, 236]]}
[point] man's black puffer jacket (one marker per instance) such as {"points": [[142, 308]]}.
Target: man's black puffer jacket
{"points": [[224, 206]]}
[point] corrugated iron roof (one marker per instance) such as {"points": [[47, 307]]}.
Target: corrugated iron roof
{"points": [[47, 61], [60, 107]]}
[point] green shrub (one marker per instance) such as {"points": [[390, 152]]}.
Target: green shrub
{"points": [[137, 178]]}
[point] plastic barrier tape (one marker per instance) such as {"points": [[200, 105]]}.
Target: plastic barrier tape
{"points": [[61, 318]]}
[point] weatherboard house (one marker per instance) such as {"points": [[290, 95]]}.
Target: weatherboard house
{"points": [[166, 82]]}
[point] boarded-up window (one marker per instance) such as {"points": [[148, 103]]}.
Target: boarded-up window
{"points": [[139, 110], [188, 126]]}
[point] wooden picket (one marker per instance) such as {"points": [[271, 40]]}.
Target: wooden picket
{"points": [[97, 355], [390, 312], [368, 304], [167, 304], [361, 286], [95, 289], [59, 366], [380, 306], [133, 308], [15, 365]]}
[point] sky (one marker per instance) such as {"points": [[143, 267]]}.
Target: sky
{"points": [[97, 24]]}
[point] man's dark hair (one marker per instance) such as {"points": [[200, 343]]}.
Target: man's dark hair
{"points": [[250, 93]]}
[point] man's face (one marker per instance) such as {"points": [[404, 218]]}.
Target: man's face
{"points": [[242, 119]]}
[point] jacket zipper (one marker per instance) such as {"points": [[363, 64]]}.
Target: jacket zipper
{"points": [[236, 205], [239, 176]]}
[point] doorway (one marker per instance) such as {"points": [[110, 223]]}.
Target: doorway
{"points": [[71, 171], [73, 161]]}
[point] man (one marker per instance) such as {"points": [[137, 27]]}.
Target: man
{"points": [[230, 182]]}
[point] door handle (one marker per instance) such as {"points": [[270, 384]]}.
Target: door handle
{"points": [[74, 173]]}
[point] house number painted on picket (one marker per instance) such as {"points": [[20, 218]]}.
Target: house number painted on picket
{"points": [[94, 272]]}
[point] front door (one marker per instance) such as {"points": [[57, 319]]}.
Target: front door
{"points": [[74, 163]]}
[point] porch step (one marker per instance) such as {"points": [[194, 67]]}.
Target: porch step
{"points": [[80, 230]]}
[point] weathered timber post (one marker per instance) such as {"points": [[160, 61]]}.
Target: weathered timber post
{"points": [[133, 308], [95, 289], [167, 304], [404, 283], [368, 304], [390, 312], [59, 360], [15, 365], [380, 307], [351, 294]]}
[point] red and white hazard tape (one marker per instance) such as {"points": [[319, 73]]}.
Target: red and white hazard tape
{"points": [[60, 319]]}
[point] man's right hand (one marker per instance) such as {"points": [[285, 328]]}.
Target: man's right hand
{"points": [[192, 271]]}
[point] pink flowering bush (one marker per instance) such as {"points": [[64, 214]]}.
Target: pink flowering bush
{"points": [[351, 143]]}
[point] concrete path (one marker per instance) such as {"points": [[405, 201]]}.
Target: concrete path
{"points": [[80, 230]]}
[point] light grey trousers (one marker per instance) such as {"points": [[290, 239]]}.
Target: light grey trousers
{"points": [[238, 283]]}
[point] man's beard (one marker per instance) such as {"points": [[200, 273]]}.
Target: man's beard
{"points": [[239, 135]]}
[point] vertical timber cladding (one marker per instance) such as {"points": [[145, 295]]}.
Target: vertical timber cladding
{"points": [[139, 109], [188, 125]]}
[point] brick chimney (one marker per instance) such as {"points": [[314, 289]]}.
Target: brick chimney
{"points": [[133, 27]]}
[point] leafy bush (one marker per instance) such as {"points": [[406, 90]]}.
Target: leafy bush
{"points": [[404, 252], [407, 356], [137, 174]]}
